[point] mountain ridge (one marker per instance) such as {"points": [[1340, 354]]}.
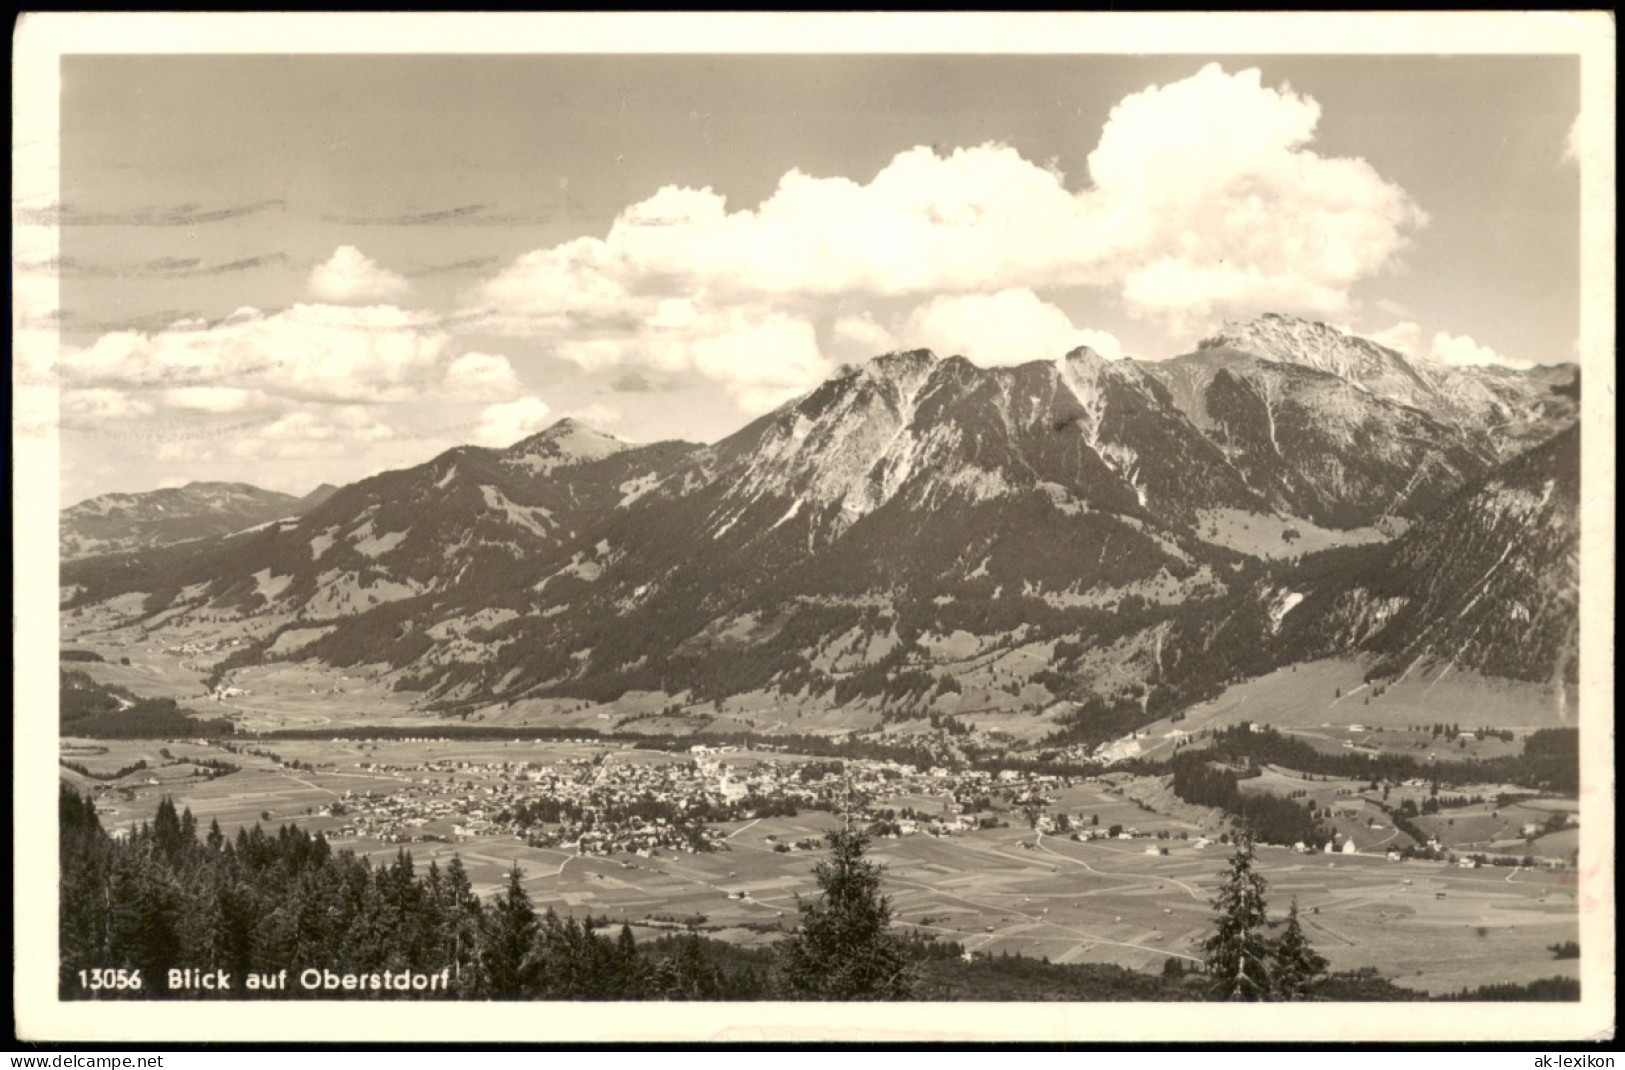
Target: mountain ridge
{"points": [[910, 518], [119, 522]]}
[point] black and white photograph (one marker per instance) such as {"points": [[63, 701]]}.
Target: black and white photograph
{"points": [[674, 527]]}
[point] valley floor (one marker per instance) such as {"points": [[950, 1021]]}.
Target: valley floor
{"points": [[1424, 925], [1429, 926]]}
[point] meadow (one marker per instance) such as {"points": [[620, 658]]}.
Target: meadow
{"points": [[1329, 704]]}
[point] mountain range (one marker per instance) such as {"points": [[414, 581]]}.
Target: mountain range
{"points": [[114, 523], [1080, 543]]}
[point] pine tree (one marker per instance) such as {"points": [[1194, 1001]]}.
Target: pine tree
{"points": [[844, 948], [508, 958], [144, 920], [167, 835], [628, 965], [460, 925], [1238, 952], [685, 974], [1295, 965]]}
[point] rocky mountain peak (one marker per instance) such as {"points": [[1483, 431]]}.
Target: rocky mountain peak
{"points": [[1084, 354], [905, 369], [1310, 343]]}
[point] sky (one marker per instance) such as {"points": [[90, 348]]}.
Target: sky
{"points": [[288, 270]]}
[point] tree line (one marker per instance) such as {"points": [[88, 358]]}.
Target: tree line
{"points": [[102, 711], [1550, 760], [1271, 818], [168, 894]]}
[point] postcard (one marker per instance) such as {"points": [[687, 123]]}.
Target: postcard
{"points": [[639, 527]]}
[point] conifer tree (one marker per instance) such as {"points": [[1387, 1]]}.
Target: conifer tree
{"points": [[685, 974], [1238, 952], [167, 835], [460, 925], [1295, 965], [508, 957], [628, 966], [845, 949], [144, 919]]}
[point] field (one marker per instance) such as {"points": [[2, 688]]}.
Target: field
{"points": [[1322, 702], [1425, 925], [277, 695], [1261, 535], [1428, 926]]}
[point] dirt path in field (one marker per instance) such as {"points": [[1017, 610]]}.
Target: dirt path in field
{"points": [[1120, 875], [1038, 919]]}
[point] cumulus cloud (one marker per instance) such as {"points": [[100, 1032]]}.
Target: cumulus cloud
{"points": [[507, 422], [329, 392], [1215, 200], [350, 275], [331, 353], [1461, 350], [212, 399], [599, 416], [310, 433], [480, 375], [764, 358], [1009, 327], [1442, 348], [1404, 338], [761, 356], [1206, 185], [293, 448], [1104, 343], [1201, 196], [860, 336]]}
